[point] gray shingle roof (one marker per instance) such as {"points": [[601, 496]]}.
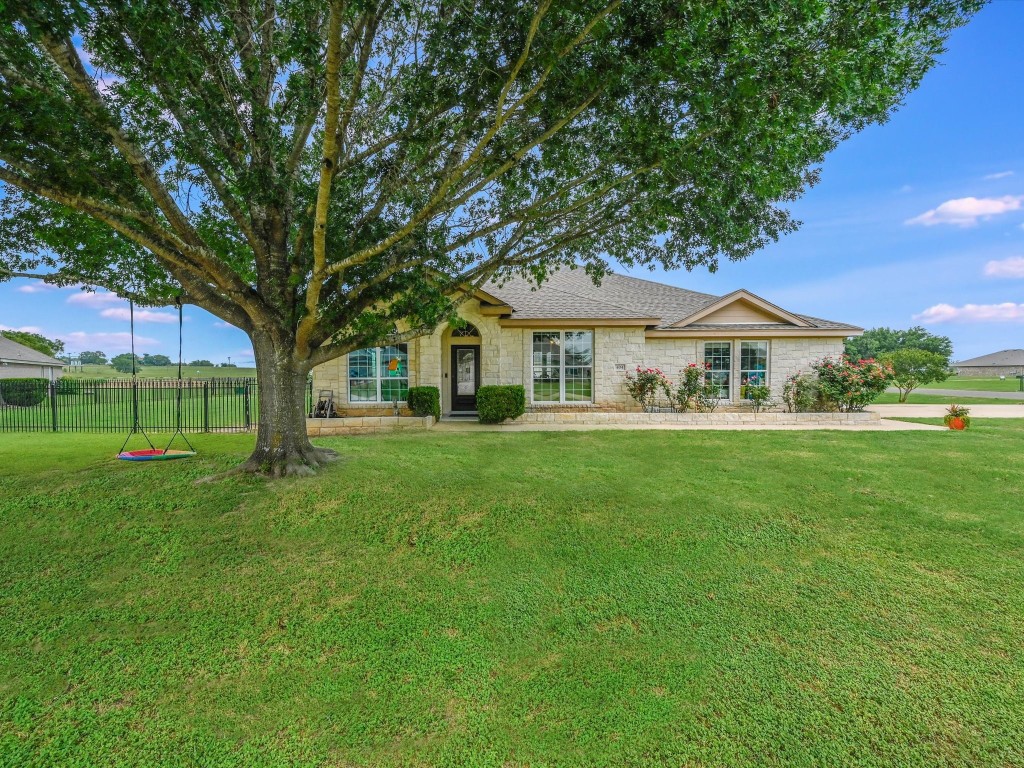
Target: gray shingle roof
{"points": [[12, 352], [1007, 357], [572, 294]]}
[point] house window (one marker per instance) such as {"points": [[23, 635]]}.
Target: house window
{"points": [[753, 365], [378, 374], [563, 366], [718, 358]]}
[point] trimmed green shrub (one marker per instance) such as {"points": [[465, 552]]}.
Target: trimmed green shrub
{"points": [[425, 401], [23, 393], [495, 403]]}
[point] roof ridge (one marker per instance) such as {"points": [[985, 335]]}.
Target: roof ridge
{"points": [[549, 287], [666, 285]]}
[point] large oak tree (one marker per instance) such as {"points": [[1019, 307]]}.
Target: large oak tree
{"points": [[326, 174]]}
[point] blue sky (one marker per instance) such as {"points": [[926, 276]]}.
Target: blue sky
{"points": [[916, 222]]}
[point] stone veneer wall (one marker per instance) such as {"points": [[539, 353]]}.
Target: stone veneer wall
{"points": [[506, 358]]}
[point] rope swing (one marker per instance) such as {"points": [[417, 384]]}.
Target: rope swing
{"points": [[153, 453]]}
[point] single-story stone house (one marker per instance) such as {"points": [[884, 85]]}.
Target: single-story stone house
{"points": [[1009, 362], [20, 362], [570, 343]]}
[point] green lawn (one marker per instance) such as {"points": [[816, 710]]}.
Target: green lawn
{"points": [[1009, 384], [543, 599], [162, 372], [919, 397]]}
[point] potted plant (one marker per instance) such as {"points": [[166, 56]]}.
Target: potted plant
{"points": [[957, 417]]}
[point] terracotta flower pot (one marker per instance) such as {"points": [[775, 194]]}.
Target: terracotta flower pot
{"points": [[957, 423]]}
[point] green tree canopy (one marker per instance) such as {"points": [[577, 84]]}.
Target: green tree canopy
{"points": [[328, 175], [878, 341], [123, 363], [38, 342], [201, 363], [93, 358], [156, 360], [914, 367]]}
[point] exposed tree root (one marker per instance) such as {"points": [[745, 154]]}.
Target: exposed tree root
{"points": [[298, 462]]}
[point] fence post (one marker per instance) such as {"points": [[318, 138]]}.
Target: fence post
{"points": [[248, 411], [52, 390], [206, 406]]}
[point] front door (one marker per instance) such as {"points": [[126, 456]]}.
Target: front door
{"points": [[465, 377]]}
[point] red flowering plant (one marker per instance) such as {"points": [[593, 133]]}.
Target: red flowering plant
{"points": [[646, 384], [849, 384]]}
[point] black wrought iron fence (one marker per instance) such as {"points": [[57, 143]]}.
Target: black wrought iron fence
{"points": [[78, 405]]}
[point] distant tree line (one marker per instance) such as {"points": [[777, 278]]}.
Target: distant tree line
{"points": [[916, 355]]}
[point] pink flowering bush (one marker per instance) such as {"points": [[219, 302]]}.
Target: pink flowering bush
{"points": [[646, 384], [695, 392], [852, 385]]}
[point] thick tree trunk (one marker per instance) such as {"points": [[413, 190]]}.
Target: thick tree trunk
{"points": [[282, 447]]}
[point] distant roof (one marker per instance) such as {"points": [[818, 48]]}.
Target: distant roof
{"points": [[1008, 357], [572, 294], [12, 352]]}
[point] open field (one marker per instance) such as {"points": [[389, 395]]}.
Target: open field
{"points": [[161, 372], [588, 598]]}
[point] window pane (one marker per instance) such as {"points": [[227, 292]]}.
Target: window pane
{"points": [[578, 384], [362, 390], [394, 389], [718, 355], [579, 348], [394, 361], [547, 363], [362, 364], [753, 365]]}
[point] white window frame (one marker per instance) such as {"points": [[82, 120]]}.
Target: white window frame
{"points": [[561, 366], [377, 378], [732, 363], [739, 362]]}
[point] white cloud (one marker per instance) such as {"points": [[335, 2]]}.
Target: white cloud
{"points": [[141, 315], [1006, 312], [37, 288], [111, 343], [965, 211], [98, 299], [1000, 175], [23, 329], [222, 324], [1010, 267], [906, 188]]}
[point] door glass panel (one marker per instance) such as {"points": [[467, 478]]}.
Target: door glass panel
{"points": [[465, 372]]}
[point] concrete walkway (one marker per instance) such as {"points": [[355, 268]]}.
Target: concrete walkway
{"points": [[1008, 411], [883, 425]]}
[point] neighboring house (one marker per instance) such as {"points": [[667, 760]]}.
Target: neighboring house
{"points": [[570, 343], [20, 362], [1009, 362]]}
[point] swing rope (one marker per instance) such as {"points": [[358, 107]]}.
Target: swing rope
{"points": [[178, 431], [136, 426], [154, 452]]}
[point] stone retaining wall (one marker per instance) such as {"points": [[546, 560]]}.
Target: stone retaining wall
{"points": [[366, 425], [746, 417]]}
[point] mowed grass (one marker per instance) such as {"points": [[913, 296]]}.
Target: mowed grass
{"points": [[920, 397], [501, 599], [980, 384], [161, 372]]}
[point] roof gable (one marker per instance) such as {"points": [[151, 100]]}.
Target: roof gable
{"points": [[13, 352], [742, 308]]}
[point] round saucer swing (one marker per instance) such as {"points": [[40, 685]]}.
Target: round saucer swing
{"points": [[153, 453]]}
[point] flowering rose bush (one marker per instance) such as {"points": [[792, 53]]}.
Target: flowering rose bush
{"points": [[852, 385], [800, 394], [692, 387], [645, 385]]}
